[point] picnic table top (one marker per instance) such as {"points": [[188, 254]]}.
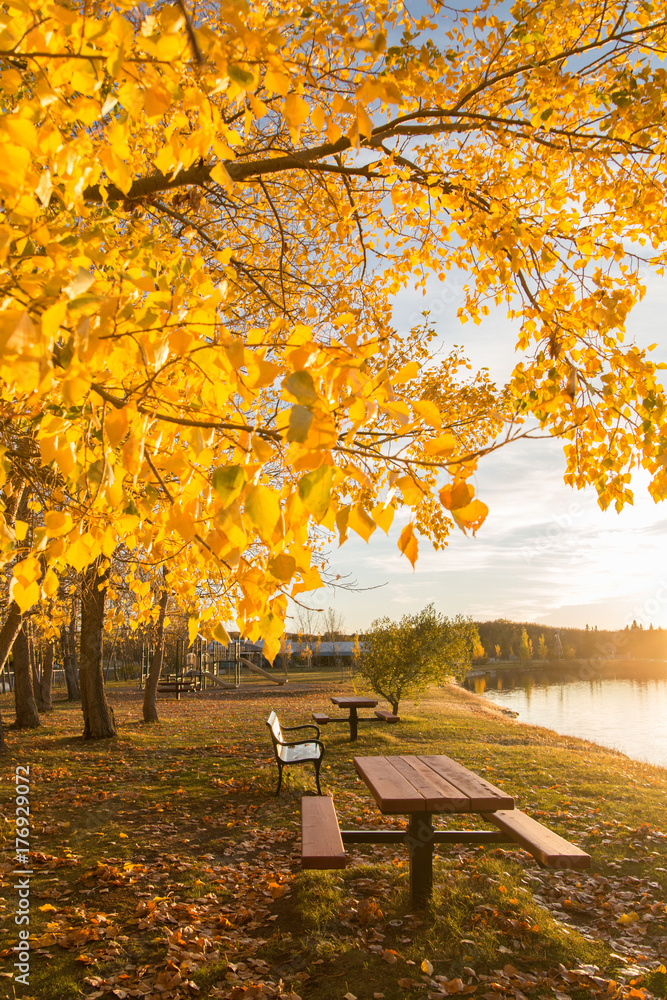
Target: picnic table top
{"points": [[353, 701], [430, 783]]}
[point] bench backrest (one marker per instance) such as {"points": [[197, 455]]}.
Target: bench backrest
{"points": [[274, 725]]}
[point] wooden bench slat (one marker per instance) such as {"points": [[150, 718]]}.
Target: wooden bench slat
{"points": [[321, 718], [484, 797], [387, 716], [390, 789], [321, 842], [545, 845], [439, 794]]}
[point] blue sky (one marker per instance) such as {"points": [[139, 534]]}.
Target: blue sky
{"points": [[546, 552]]}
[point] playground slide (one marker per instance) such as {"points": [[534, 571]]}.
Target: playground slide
{"points": [[265, 673], [251, 666]]}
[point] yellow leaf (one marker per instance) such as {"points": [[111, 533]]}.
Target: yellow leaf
{"points": [[47, 908], [193, 628], [52, 318], [443, 445], [57, 522], [271, 627], [27, 571], [221, 176], [472, 516], [79, 554], [300, 419], [454, 496], [383, 517], [50, 583], [300, 385], [282, 566], [22, 132], [315, 491], [25, 597], [262, 505], [156, 101], [407, 543], [75, 389], [404, 374], [228, 483], [427, 967], [364, 124], [21, 530], [80, 284], [360, 521], [295, 110], [412, 492], [276, 82], [628, 918], [220, 634], [116, 424]]}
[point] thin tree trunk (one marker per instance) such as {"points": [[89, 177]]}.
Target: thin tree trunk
{"points": [[98, 717], [24, 698], [47, 676], [150, 691], [12, 625], [34, 667], [70, 658]]}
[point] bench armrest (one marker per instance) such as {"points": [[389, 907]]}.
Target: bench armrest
{"points": [[291, 729]]}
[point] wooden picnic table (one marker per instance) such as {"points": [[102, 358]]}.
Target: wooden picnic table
{"points": [[352, 703], [435, 784]]}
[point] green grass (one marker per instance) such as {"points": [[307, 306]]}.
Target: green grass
{"points": [[163, 853]]}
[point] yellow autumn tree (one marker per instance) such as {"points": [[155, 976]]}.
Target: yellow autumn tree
{"points": [[207, 212]]}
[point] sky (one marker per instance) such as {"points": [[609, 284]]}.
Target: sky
{"points": [[546, 553]]}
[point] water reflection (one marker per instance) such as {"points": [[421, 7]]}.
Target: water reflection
{"points": [[618, 705]]}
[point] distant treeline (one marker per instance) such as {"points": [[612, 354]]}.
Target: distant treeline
{"points": [[505, 640]]}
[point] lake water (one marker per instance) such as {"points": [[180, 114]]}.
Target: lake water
{"points": [[624, 708]]}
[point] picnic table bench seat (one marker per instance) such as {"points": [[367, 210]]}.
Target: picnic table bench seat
{"points": [[295, 751], [321, 842], [547, 847], [321, 718], [387, 716], [178, 687]]}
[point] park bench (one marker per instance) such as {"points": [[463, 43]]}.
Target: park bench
{"points": [[295, 751]]}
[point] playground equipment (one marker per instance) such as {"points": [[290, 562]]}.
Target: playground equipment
{"points": [[208, 663]]}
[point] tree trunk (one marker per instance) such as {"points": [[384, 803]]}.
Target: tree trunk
{"points": [[24, 698], [98, 717], [70, 658], [150, 691], [47, 676], [34, 667], [14, 619]]}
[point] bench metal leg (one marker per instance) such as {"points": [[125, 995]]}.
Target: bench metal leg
{"points": [[317, 775], [280, 778]]}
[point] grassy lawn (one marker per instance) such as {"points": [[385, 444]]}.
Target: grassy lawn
{"points": [[164, 866]]}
